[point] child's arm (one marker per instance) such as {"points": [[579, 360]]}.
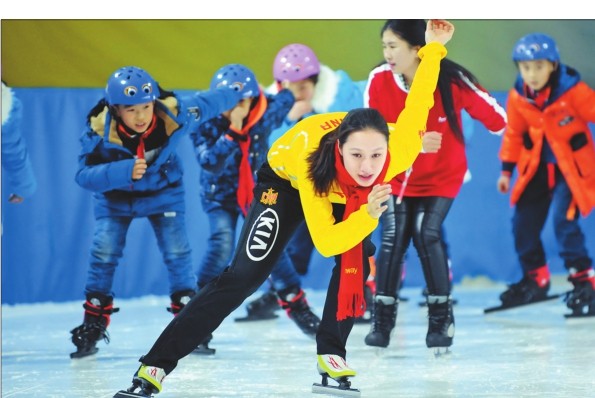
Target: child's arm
{"points": [[211, 146]]}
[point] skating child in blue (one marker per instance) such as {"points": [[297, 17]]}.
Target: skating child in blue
{"points": [[128, 161], [230, 148]]}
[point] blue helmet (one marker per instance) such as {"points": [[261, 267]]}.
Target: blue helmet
{"points": [[131, 85], [535, 46], [237, 77]]}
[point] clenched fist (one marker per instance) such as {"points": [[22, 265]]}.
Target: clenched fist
{"points": [[139, 169]]}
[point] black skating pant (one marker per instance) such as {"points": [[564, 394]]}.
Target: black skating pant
{"points": [[274, 215], [420, 219]]}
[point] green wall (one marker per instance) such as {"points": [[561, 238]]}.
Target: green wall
{"points": [[184, 54]]}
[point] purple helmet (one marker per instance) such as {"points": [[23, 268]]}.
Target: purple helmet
{"points": [[237, 77], [295, 62], [131, 85], [535, 46]]}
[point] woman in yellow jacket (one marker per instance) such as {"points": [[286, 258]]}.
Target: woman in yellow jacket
{"points": [[330, 169], [548, 140]]}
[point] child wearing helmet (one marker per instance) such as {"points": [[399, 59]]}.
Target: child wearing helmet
{"points": [[229, 149], [317, 89], [549, 142], [128, 160]]}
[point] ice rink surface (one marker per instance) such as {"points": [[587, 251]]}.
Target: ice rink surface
{"points": [[529, 352]]}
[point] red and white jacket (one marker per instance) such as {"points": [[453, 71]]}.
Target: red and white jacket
{"points": [[441, 173]]}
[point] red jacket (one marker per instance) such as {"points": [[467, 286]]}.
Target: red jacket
{"points": [[564, 124], [434, 174]]}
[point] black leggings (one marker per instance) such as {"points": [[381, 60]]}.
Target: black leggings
{"points": [[274, 215], [419, 218]]}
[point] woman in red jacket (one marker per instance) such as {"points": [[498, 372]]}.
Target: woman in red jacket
{"points": [[423, 195], [549, 142]]}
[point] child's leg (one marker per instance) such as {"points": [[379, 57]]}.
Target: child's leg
{"points": [[220, 243], [170, 231]]}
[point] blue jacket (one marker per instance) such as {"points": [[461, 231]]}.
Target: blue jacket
{"points": [[16, 163], [220, 158], [105, 165]]}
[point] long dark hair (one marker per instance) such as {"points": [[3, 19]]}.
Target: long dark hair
{"points": [[413, 32], [321, 162]]}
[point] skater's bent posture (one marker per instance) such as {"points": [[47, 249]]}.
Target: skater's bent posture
{"points": [[128, 160], [422, 196], [548, 141], [331, 170]]}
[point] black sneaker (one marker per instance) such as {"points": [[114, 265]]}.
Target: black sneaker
{"points": [[441, 322], [524, 292], [298, 310], [384, 317]]}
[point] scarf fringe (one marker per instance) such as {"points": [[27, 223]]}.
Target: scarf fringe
{"points": [[351, 308]]}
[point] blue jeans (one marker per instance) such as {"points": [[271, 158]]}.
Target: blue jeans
{"points": [[110, 238], [530, 216], [300, 249], [220, 246]]}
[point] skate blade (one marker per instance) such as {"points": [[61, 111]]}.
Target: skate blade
{"points": [[127, 394], [202, 350], [510, 307], [441, 352], [318, 388], [83, 353], [249, 318], [575, 317]]}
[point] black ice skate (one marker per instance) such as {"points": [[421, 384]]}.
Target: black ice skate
{"points": [[98, 309], [336, 368], [147, 380], [178, 302], [203, 348], [581, 300], [263, 308], [384, 317], [524, 292], [441, 324], [295, 304]]}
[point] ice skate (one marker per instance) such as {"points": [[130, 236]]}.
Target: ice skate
{"points": [[179, 301], [98, 308], [384, 316], [336, 368], [532, 289], [581, 300], [441, 325], [147, 380], [203, 348], [296, 306], [263, 308]]}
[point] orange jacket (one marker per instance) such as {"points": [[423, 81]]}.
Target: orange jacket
{"points": [[564, 123]]}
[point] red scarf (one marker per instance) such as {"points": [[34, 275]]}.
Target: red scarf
{"points": [[351, 301], [539, 97], [245, 192], [140, 149]]}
